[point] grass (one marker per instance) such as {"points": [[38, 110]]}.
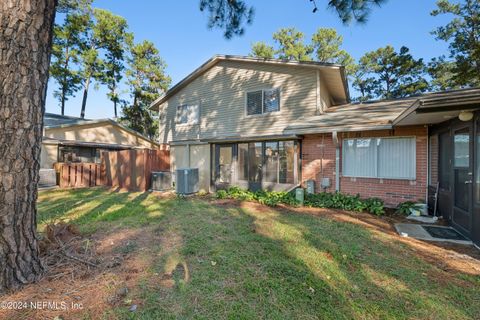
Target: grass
{"points": [[247, 261]]}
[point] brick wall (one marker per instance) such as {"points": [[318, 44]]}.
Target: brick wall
{"points": [[319, 161]]}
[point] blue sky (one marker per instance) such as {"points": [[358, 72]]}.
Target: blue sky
{"points": [[179, 31]]}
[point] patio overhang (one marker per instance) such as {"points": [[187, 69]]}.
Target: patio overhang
{"points": [[77, 143], [439, 108], [250, 138]]}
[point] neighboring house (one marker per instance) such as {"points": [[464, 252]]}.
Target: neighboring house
{"points": [[273, 124], [71, 139]]}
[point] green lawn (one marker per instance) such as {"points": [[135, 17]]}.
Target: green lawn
{"points": [[244, 261]]}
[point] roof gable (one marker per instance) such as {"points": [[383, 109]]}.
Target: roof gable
{"points": [[330, 72]]}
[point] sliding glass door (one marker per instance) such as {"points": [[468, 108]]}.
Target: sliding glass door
{"points": [[271, 165]]}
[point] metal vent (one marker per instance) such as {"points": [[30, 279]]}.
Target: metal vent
{"points": [[161, 181], [186, 180]]}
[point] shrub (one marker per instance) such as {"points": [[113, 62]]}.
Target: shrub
{"points": [[375, 206], [407, 207], [404, 207], [347, 202], [221, 194], [268, 198], [335, 200]]}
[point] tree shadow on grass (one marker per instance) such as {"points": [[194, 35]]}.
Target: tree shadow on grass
{"points": [[376, 277], [271, 263]]}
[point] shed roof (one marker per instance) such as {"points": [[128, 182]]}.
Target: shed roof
{"points": [[55, 121]]}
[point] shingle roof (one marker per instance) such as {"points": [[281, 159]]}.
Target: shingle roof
{"points": [[51, 121], [372, 115], [54, 120]]}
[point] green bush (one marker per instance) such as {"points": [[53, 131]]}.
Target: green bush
{"points": [[347, 202], [335, 200], [268, 198], [404, 207], [375, 206], [221, 194]]}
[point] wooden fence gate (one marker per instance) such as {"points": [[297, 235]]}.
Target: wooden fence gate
{"points": [[131, 169], [79, 175], [126, 169]]}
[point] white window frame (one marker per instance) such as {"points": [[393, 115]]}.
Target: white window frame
{"points": [[197, 120], [263, 100], [414, 138]]}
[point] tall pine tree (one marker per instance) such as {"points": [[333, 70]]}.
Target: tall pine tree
{"points": [[146, 79], [463, 36], [66, 49]]}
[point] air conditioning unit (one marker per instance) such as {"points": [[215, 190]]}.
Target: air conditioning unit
{"points": [[48, 178], [161, 181], [186, 180]]}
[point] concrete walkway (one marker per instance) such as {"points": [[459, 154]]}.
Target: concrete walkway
{"points": [[416, 231]]}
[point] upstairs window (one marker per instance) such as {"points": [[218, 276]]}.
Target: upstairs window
{"points": [[263, 101], [188, 114]]}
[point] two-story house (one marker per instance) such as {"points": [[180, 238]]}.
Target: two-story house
{"points": [[274, 124]]}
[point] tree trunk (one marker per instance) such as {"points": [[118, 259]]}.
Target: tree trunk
{"points": [[25, 40], [115, 108], [63, 101], [84, 100]]}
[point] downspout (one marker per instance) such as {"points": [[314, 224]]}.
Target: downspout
{"points": [[337, 160]]}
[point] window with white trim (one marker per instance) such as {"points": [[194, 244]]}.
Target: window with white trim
{"points": [[188, 114], [263, 101], [389, 158]]}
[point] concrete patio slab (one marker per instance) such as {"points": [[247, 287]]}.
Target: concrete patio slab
{"points": [[424, 219], [416, 231]]}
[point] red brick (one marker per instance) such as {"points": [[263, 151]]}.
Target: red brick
{"points": [[318, 161]]}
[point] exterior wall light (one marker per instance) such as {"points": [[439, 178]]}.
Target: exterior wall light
{"points": [[465, 116]]}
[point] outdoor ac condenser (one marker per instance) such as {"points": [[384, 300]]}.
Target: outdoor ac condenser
{"points": [[48, 178], [161, 180], [186, 181]]}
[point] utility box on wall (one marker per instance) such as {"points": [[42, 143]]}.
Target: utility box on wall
{"points": [[310, 186], [325, 183]]}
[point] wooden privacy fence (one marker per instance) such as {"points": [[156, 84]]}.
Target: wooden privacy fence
{"points": [[131, 169], [126, 169], [78, 175]]}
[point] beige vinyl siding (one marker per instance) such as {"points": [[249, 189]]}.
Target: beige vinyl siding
{"points": [[48, 155], [199, 158], [325, 96], [220, 93]]}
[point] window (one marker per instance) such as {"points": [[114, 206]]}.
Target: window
{"points": [[271, 161], [391, 158], [255, 161], [263, 101], [79, 154], [287, 162], [188, 114], [243, 161]]}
